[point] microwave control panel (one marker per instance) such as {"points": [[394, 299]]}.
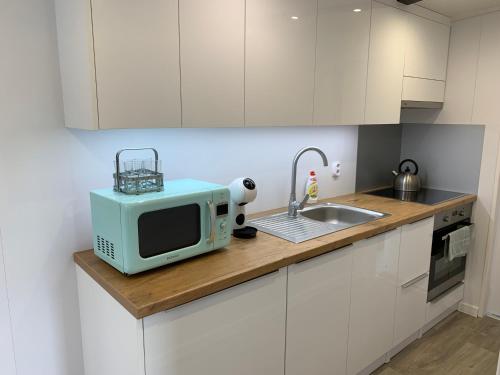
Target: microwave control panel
{"points": [[222, 222]]}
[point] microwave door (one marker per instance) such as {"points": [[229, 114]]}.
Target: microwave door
{"points": [[173, 230]]}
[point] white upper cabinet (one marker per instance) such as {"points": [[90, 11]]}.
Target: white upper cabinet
{"points": [[136, 46], [373, 298], [462, 73], [386, 65], [318, 314], [488, 72], [280, 60], [240, 330], [426, 48], [343, 38], [212, 48], [426, 60], [76, 63], [233, 63]]}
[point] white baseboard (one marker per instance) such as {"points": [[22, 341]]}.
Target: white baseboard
{"points": [[441, 317], [375, 365], [493, 316], [468, 309], [396, 349]]}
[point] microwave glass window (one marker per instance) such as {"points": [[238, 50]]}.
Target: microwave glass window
{"points": [[167, 230]]}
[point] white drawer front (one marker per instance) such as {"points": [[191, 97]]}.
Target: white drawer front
{"points": [[411, 306], [415, 250]]}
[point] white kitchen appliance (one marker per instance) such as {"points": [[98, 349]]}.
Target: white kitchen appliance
{"points": [[243, 191]]}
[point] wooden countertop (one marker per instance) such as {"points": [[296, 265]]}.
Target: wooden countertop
{"points": [[164, 288]]}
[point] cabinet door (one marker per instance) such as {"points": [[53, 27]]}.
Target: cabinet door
{"points": [[427, 48], [413, 278], [341, 61], [280, 58], [462, 72], [386, 65], [136, 47], [240, 330], [318, 314], [212, 37], [373, 298], [485, 110], [415, 252], [411, 307]]}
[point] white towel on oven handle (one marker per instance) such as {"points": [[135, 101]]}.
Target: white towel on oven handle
{"points": [[457, 243]]}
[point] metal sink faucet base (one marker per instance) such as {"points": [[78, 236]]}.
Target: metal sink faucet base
{"points": [[293, 205]]}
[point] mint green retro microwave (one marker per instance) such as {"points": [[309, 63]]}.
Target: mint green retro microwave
{"points": [[135, 233]]}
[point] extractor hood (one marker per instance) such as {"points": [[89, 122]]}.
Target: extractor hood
{"points": [[422, 93], [409, 2]]}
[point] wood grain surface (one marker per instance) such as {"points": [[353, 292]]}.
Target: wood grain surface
{"points": [[166, 287]]}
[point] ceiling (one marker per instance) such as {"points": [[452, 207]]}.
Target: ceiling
{"points": [[458, 9]]}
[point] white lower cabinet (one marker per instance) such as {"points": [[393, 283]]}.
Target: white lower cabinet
{"points": [[413, 278], [411, 306], [318, 314], [240, 330], [342, 312], [373, 298]]}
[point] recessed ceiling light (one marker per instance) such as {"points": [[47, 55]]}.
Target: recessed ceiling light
{"points": [[357, 10], [294, 17]]}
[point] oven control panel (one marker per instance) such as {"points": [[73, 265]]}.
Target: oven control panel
{"points": [[452, 216]]}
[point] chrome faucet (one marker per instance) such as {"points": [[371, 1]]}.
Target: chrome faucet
{"points": [[293, 205]]}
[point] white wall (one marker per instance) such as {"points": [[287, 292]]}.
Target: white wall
{"points": [[48, 171]]}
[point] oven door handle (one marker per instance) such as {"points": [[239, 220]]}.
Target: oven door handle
{"points": [[446, 236], [211, 207], [415, 280]]}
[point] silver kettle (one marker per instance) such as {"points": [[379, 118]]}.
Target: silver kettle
{"points": [[406, 180]]}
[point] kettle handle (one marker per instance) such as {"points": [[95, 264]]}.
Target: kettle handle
{"points": [[408, 161]]}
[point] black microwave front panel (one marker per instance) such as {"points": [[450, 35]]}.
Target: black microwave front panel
{"points": [[169, 229]]}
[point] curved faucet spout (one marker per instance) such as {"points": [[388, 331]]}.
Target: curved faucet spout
{"points": [[293, 205]]}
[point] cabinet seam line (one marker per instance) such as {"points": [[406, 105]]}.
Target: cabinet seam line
{"points": [[9, 310], [349, 315], [474, 94], [95, 64], [180, 65], [245, 63], [315, 64], [143, 346], [368, 61], [286, 319]]}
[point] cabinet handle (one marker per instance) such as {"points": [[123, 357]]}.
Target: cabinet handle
{"points": [[415, 280]]}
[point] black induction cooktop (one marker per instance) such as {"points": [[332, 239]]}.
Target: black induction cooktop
{"points": [[424, 195]]}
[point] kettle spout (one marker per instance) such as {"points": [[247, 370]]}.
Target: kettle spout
{"points": [[395, 173]]}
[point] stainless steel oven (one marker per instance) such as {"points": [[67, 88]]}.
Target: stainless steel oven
{"points": [[446, 274]]}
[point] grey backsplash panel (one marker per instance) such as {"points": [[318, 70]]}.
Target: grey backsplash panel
{"points": [[449, 156], [379, 149]]}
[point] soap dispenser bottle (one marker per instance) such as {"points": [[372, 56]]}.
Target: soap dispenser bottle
{"points": [[312, 187]]}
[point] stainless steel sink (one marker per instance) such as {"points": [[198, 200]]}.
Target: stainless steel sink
{"points": [[315, 221], [340, 215]]}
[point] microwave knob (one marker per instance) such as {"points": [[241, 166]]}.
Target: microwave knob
{"points": [[446, 218], [223, 226]]}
